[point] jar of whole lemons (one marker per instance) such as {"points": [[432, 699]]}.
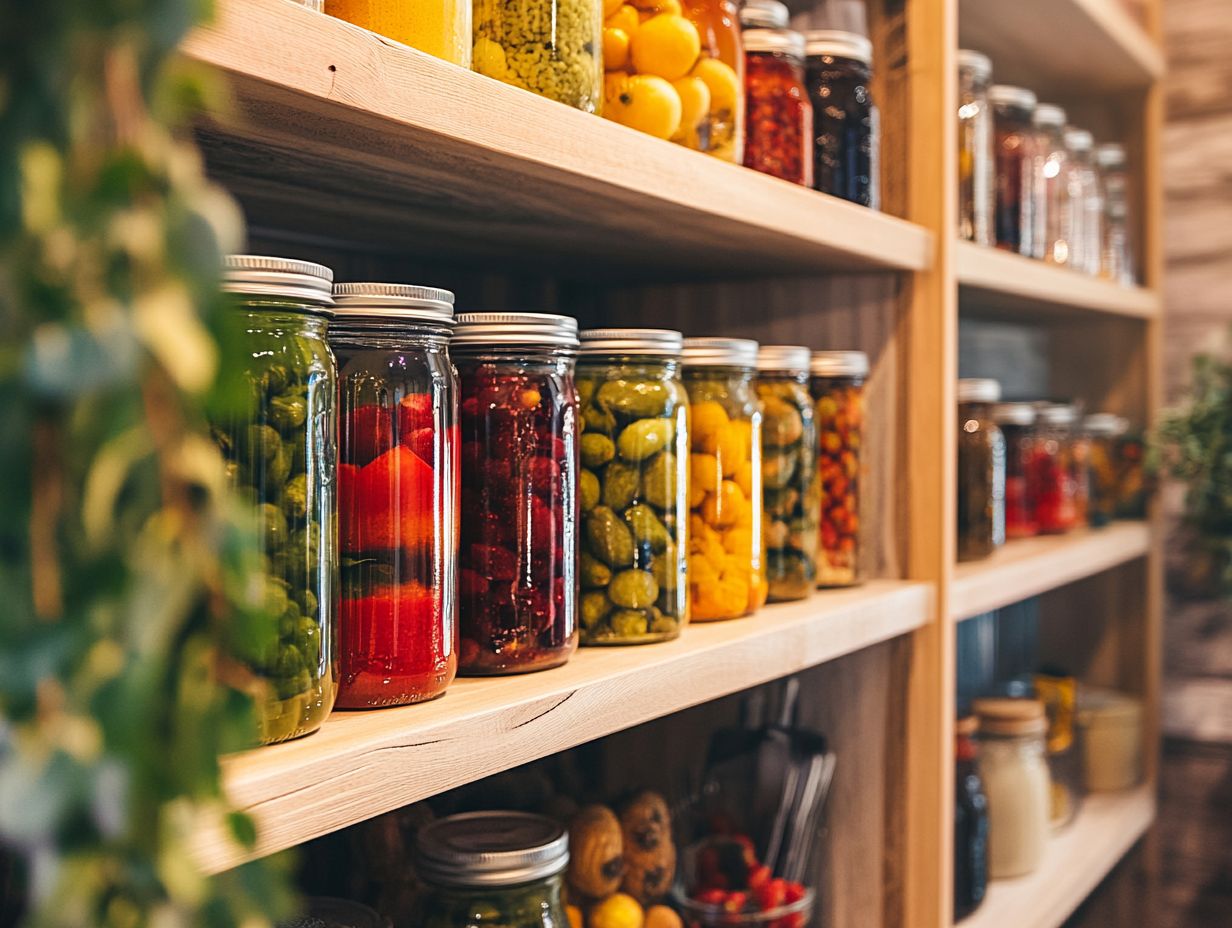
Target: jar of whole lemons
{"points": [[675, 70]]}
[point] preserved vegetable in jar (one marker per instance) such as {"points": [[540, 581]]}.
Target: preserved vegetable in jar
{"points": [[1052, 470], [1116, 261], [1017, 421], [517, 577], [397, 493], [726, 575], [789, 471], [975, 161], [279, 448], [779, 116], [1104, 431], [846, 130], [838, 390], [633, 486], [981, 471], [1014, 154], [1132, 486], [551, 47], [1089, 205], [1054, 220], [438, 27]]}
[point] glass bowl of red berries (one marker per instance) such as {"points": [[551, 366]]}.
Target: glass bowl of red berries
{"points": [[723, 884]]}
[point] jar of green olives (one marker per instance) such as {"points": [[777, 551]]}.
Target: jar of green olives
{"points": [[788, 471], [838, 388], [277, 436], [632, 486], [492, 870]]}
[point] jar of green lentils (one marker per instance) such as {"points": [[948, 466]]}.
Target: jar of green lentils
{"points": [[551, 47], [633, 486]]}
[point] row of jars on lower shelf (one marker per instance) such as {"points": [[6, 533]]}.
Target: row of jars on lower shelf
{"points": [[469, 494], [1028, 469]]}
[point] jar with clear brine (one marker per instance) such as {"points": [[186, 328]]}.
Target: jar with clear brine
{"points": [[633, 486], [837, 386], [1054, 220], [1089, 209], [975, 161], [397, 493], [726, 573], [779, 123], [517, 576], [981, 471], [789, 471], [846, 126], [438, 27], [1116, 259], [279, 446], [552, 48], [1014, 149]]}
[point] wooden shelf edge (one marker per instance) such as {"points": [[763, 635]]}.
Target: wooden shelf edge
{"points": [[362, 764], [1030, 566], [1076, 861]]}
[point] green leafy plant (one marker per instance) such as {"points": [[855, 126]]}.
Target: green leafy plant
{"points": [[127, 572]]}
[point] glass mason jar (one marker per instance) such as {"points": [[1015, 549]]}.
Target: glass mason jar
{"points": [[975, 161], [553, 48], [1016, 422], [279, 448], [492, 870], [397, 493], [1116, 257], [846, 126], [1052, 471], [792, 497], [837, 385], [517, 578], [1014, 154], [1132, 486], [632, 486], [1089, 212], [981, 471], [1014, 768], [726, 548], [970, 823], [1054, 220], [438, 27], [779, 116]]}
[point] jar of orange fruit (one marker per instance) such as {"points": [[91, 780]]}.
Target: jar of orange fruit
{"points": [[726, 548], [675, 70]]}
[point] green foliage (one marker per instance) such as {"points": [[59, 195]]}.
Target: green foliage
{"points": [[126, 568]]}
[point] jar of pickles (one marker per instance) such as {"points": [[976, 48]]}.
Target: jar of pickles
{"points": [[633, 486], [846, 127], [975, 162], [517, 577], [1051, 471], [553, 48], [1016, 422], [438, 27], [789, 471], [726, 575], [1014, 155], [397, 493], [981, 471], [492, 870], [837, 385], [779, 120], [279, 447]]}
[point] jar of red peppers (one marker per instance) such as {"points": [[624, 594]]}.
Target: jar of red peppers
{"points": [[981, 470], [517, 577], [1014, 154], [779, 116], [1017, 421], [397, 493], [837, 386], [1051, 473]]}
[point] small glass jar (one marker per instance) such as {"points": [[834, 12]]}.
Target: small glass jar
{"points": [[438, 27], [1116, 256], [553, 48], [726, 574], [1111, 725], [1013, 766], [846, 126], [397, 493], [1051, 472], [981, 471], [517, 578], [1054, 220], [492, 870], [975, 161], [633, 486], [1016, 422], [970, 822], [1132, 486], [789, 471], [1059, 694], [279, 447], [779, 116], [837, 385], [1084, 188], [1014, 153]]}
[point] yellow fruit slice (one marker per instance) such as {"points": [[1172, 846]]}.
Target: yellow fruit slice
{"points": [[694, 103], [643, 102], [615, 48], [624, 19], [723, 82], [666, 45]]}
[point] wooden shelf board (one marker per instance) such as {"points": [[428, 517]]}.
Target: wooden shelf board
{"points": [[996, 282], [362, 764], [1062, 48], [346, 136], [1077, 860], [1031, 566]]}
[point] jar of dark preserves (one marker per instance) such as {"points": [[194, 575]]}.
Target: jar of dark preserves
{"points": [[970, 823], [846, 133], [1014, 148], [779, 116], [981, 471], [1105, 431], [517, 577], [1017, 422]]}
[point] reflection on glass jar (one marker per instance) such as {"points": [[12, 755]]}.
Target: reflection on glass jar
{"points": [[838, 388], [981, 471]]}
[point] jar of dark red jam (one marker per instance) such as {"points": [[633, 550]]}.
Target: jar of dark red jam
{"points": [[397, 493], [779, 117], [517, 578]]}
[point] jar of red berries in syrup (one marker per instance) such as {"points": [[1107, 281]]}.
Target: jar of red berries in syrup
{"points": [[778, 115]]}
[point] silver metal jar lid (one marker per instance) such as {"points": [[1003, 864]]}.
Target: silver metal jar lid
{"points": [[656, 342], [1110, 155], [793, 358], [289, 278], [979, 64], [719, 352], [764, 14], [491, 849], [523, 329], [836, 44], [1058, 414], [839, 364], [1008, 95], [1013, 414], [978, 390], [774, 40], [1106, 424], [1050, 116], [394, 301], [1079, 139]]}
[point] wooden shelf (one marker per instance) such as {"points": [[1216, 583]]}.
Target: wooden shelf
{"points": [[1064, 48], [1077, 860], [1031, 566], [362, 764], [998, 282], [346, 136]]}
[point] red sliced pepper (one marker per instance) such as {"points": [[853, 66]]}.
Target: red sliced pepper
{"points": [[367, 433], [387, 504]]}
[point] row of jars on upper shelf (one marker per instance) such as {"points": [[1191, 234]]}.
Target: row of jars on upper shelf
{"points": [[1030, 183], [474, 494], [1028, 469], [739, 85]]}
